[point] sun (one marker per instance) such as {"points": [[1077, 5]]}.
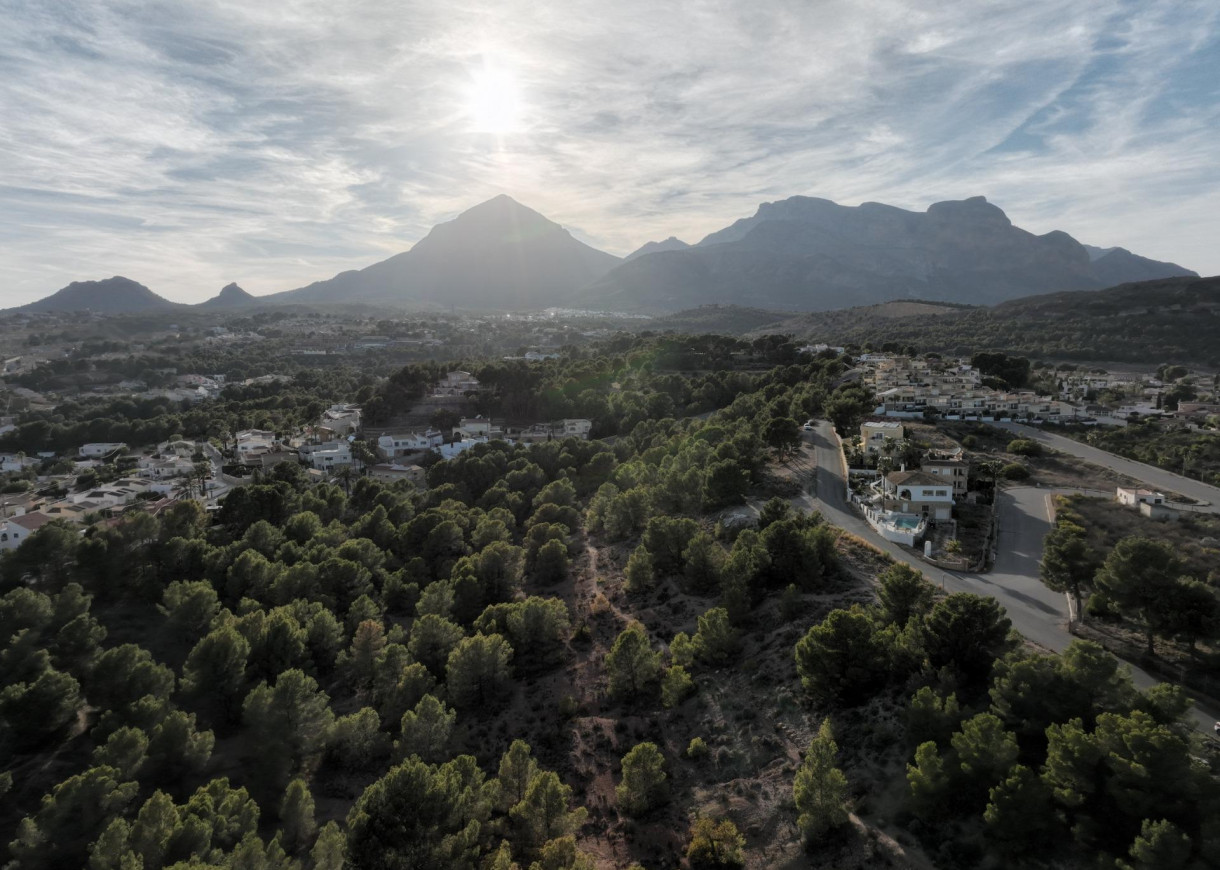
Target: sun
{"points": [[493, 101]]}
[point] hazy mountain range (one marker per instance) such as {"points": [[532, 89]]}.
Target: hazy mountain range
{"points": [[800, 254]]}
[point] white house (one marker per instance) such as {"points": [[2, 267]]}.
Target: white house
{"points": [[340, 420], [14, 531], [1133, 497], [448, 451], [577, 429], [919, 493], [14, 462], [251, 442], [477, 427], [164, 467], [392, 446], [99, 449], [327, 456]]}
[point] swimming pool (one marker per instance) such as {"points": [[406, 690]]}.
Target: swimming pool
{"points": [[905, 522]]}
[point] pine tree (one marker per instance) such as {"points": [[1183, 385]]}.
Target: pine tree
{"points": [[820, 788]]}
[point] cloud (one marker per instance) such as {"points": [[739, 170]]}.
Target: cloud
{"points": [[187, 145]]}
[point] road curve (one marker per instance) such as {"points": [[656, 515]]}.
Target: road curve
{"points": [[1024, 519]]}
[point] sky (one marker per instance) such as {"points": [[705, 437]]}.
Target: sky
{"points": [[189, 144]]}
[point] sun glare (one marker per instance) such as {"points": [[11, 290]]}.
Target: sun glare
{"points": [[494, 101]]}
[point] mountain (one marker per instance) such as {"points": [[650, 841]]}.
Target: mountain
{"points": [[497, 255], [115, 295], [812, 254], [1167, 320], [673, 243], [230, 296]]}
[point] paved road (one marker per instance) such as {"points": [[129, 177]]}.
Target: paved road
{"points": [[1149, 474], [1024, 519]]}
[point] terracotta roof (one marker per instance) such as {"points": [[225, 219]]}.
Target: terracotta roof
{"points": [[31, 521]]}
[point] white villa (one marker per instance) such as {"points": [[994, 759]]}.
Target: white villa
{"points": [[251, 442], [14, 531], [393, 446], [340, 420], [478, 427], [917, 492], [327, 455]]}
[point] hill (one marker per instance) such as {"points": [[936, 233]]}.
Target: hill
{"points": [[1169, 320], [230, 296], [721, 319], [497, 255], [671, 244], [812, 254], [117, 295]]}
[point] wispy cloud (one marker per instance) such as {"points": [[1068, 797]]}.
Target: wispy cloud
{"points": [[187, 145]]}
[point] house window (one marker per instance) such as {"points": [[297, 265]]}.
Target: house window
{"points": [[941, 492]]}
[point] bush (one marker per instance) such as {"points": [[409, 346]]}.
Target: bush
{"points": [[697, 748], [1024, 447], [1014, 471]]}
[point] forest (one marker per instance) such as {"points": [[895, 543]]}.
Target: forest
{"points": [[573, 654]]}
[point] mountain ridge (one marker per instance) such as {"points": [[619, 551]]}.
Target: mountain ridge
{"points": [[808, 253], [798, 254]]}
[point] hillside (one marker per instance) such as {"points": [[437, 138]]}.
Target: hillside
{"points": [[1170, 320], [497, 255], [722, 319], [811, 254], [117, 295]]}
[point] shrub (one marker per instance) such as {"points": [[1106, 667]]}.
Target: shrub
{"points": [[1024, 447], [697, 749], [1014, 471]]}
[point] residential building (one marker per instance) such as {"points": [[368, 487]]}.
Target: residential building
{"points": [[953, 467], [17, 462], [577, 428], [874, 434], [14, 531], [919, 493], [448, 451], [477, 427], [100, 449], [328, 455], [339, 421], [161, 467], [253, 442], [393, 446], [457, 383], [1134, 497]]}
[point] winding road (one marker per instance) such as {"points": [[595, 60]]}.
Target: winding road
{"points": [[1024, 519]]}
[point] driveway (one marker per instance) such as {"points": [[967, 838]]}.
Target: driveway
{"points": [[1024, 519]]}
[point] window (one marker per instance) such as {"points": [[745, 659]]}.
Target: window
{"points": [[941, 492]]}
